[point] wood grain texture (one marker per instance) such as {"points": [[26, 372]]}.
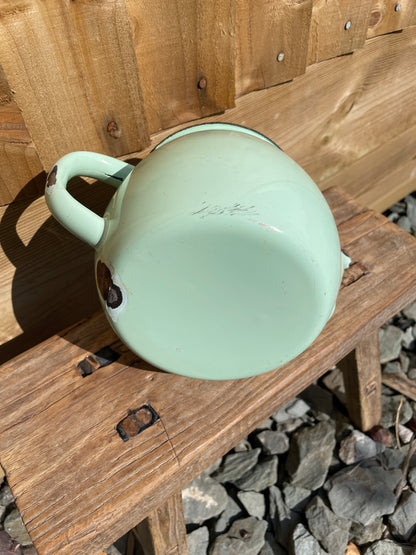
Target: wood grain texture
{"points": [[339, 110], [400, 383], [177, 44], [265, 29], [386, 18], [355, 107], [21, 172], [80, 78], [19, 162], [105, 41], [82, 486], [337, 27], [382, 177], [362, 379], [47, 274], [163, 532]]}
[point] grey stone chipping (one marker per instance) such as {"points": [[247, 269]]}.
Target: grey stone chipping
{"points": [[310, 455], [202, 499], [236, 465], [402, 522], [272, 442], [303, 543], [198, 541], [262, 476], [358, 446], [13, 525], [253, 502], [245, 537], [331, 531], [390, 339], [363, 494]]}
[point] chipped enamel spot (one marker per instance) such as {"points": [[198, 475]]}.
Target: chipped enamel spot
{"points": [[51, 180], [111, 289], [117, 298]]}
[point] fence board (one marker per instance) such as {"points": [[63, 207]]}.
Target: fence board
{"points": [[383, 176], [106, 44], [271, 43], [337, 27], [60, 96], [19, 162], [180, 45], [390, 15]]}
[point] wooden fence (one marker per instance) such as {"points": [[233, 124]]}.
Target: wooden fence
{"points": [[333, 82]]}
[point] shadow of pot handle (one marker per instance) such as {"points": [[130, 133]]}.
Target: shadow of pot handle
{"points": [[74, 216]]}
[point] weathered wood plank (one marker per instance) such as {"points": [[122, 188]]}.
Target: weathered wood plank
{"points": [[78, 489], [382, 177], [105, 41], [163, 532], [390, 15], [271, 42], [337, 27], [362, 379], [19, 161], [400, 383], [46, 273], [340, 110], [77, 80], [185, 54], [21, 172]]}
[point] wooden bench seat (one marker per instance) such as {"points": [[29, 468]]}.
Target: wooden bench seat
{"points": [[69, 412]]}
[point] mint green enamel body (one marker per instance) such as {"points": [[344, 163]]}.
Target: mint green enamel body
{"points": [[217, 257]]}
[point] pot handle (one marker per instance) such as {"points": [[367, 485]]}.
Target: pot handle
{"points": [[73, 215]]}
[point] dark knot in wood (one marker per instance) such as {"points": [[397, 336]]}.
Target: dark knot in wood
{"points": [[113, 130]]}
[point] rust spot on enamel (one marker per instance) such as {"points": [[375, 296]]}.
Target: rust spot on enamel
{"points": [[110, 292], [52, 177], [104, 280]]}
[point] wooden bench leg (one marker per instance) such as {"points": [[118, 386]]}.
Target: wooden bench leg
{"points": [[362, 379], [163, 532]]}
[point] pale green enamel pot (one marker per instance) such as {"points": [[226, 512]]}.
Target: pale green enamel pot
{"points": [[217, 257]]}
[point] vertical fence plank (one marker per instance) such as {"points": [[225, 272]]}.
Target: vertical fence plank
{"points": [[337, 27], [272, 42], [69, 75], [185, 54], [19, 162], [390, 15], [106, 44]]}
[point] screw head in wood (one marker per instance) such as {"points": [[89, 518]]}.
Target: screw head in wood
{"points": [[280, 56], [347, 25], [397, 7], [202, 83]]}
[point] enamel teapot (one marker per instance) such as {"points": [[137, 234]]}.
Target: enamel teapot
{"points": [[217, 257]]}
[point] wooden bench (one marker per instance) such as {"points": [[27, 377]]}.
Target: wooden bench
{"points": [[93, 440]]}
